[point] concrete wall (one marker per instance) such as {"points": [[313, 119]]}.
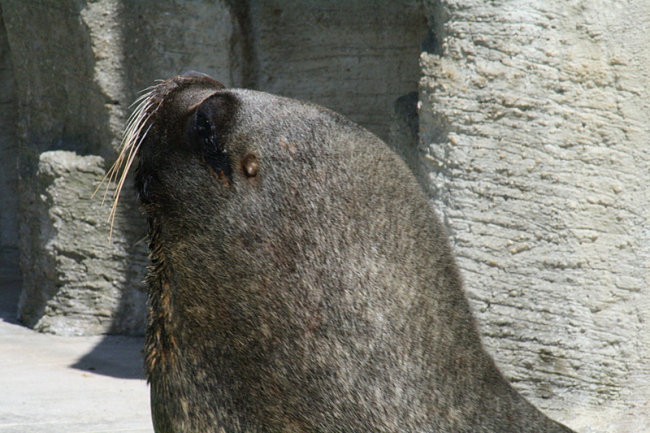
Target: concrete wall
{"points": [[63, 103], [530, 135], [535, 131], [354, 57]]}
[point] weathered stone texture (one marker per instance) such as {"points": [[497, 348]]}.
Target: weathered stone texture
{"points": [[81, 283], [356, 58], [163, 39], [535, 118], [58, 102], [65, 99]]}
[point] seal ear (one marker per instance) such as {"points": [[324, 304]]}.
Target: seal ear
{"points": [[207, 130]]}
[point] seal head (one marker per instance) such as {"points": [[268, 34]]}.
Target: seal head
{"points": [[299, 279]]}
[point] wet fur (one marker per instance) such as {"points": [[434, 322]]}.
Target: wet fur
{"points": [[315, 293]]}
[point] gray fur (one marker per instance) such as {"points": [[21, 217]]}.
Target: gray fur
{"points": [[319, 295]]}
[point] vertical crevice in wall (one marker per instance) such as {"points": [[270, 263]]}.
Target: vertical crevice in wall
{"points": [[404, 131]]}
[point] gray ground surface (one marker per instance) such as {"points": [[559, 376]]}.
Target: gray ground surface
{"points": [[52, 384]]}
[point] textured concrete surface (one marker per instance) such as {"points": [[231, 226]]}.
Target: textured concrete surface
{"points": [[80, 282], [163, 39], [534, 118], [63, 102], [356, 58]]}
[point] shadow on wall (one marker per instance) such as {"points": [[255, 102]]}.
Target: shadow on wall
{"points": [[10, 278], [358, 58]]}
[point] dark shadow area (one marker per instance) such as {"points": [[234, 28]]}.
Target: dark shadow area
{"points": [[10, 276], [10, 284], [116, 356]]}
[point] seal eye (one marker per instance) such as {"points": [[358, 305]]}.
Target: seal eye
{"points": [[207, 142]]}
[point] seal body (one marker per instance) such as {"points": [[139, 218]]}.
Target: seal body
{"points": [[299, 280]]}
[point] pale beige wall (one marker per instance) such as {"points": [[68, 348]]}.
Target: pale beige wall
{"points": [[534, 125]]}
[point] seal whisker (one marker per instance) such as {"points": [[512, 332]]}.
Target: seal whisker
{"points": [[132, 152], [127, 156], [137, 128], [145, 94], [132, 129]]}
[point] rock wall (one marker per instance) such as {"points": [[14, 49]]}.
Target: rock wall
{"points": [[535, 127], [355, 57], [78, 284], [63, 103]]}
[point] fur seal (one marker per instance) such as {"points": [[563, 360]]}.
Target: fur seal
{"points": [[299, 281]]}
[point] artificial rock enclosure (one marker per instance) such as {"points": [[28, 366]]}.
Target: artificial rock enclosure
{"points": [[526, 121]]}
